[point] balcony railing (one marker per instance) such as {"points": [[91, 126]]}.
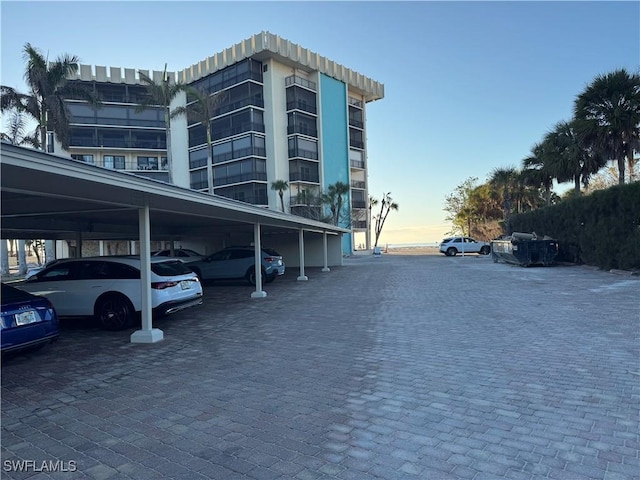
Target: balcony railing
{"points": [[355, 102], [245, 177], [118, 143], [356, 143], [300, 153], [240, 153], [356, 123], [358, 204], [304, 177], [358, 183], [303, 130], [303, 82], [302, 105], [359, 224], [357, 164], [245, 127]]}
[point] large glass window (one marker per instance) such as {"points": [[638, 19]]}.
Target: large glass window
{"points": [[83, 158], [301, 99], [198, 179], [113, 161], [250, 145], [303, 147], [301, 123], [245, 121], [147, 163], [198, 158]]}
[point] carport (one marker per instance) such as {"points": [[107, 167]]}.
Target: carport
{"points": [[57, 198]]}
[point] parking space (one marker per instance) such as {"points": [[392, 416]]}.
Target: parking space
{"points": [[398, 366]]}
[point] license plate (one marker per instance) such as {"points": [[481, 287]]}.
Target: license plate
{"points": [[185, 284], [24, 318]]}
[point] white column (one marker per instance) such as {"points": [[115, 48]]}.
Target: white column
{"points": [[324, 253], [101, 248], [148, 334], [257, 245], [22, 257], [4, 257], [302, 277], [49, 250], [132, 247]]}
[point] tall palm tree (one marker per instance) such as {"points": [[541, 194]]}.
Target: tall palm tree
{"points": [[48, 88], [280, 186], [568, 156], [536, 171], [334, 197], [608, 117], [161, 95], [503, 179], [386, 205], [201, 110], [16, 134]]}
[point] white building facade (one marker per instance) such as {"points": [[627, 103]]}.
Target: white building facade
{"points": [[285, 113]]}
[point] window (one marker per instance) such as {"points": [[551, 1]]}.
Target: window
{"points": [[114, 161], [83, 158], [198, 158], [147, 163]]}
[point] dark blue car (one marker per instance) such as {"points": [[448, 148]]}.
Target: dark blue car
{"points": [[28, 321]]}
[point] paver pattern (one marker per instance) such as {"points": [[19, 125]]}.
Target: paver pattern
{"points": [[391, 367]]}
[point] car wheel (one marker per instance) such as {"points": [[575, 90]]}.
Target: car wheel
{"points": [[251, 277], [485, 250], [451, 252], [114, 312]]}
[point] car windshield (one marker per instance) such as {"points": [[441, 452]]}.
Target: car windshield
{"points": [[170, 268]]}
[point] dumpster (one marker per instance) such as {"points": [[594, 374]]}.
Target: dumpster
{"points": [[524, 249]]}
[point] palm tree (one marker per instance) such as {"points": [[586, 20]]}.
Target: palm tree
{"points": [[608, 117], [536, 171], [280, 186], [334, 198], [16, 134], [386, 205], [161, 95], [48, 88], [201, 110], [503, 179], [568, 156]]}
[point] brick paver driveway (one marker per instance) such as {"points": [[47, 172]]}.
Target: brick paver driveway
{"points": [[422, 367]]}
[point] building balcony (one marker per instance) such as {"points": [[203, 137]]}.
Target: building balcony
{"points": [[304, 177], [303, 106], [297, 80], [358, 204], [245, 177], [354, 102], [359, 225], [357, 183], [356, 144], [302, 130], [357, 164], [356, 123], [300, 153]]}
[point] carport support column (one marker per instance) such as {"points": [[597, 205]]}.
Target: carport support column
{"points": [[259, 293], [325, 268], [302, 277], [148, 334]]}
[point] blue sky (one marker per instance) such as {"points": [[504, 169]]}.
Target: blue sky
{"points": [[469, 86]]}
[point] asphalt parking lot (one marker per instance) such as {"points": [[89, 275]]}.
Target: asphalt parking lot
{"points": [[401, 366]]}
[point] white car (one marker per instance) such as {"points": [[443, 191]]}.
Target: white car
{"points": [[184, 254], [108, 288], [453, 245]]}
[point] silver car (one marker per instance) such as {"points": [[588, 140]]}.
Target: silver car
{"points": [[238, 262]]}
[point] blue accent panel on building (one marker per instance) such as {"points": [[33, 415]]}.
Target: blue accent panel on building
{"points": [[335, 138]]}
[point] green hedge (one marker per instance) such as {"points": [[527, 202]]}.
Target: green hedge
{"points": [[600, 229]]}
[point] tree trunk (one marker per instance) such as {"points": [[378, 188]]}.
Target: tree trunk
{"points": [[22, 257], [576, 183], [4, 257], [621, 169], [167, 123]]}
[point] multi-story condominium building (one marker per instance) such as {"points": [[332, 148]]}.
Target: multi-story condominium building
{"points": [[285, 113]]}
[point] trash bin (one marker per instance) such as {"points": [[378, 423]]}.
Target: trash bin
{"points": [[524, 249]]}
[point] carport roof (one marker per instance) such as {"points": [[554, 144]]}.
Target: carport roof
{"points": [[52, 197]]}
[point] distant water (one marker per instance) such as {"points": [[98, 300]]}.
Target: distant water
{"points": [[412, 245]]}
